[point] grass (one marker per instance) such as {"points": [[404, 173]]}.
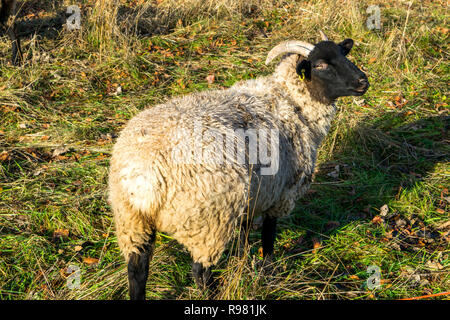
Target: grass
{"points": [[62, 110]]}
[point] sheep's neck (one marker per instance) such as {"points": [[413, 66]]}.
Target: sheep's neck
{"points": [[304, 110]]}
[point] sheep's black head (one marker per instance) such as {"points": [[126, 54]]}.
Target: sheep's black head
{"points": [[328, 73]]}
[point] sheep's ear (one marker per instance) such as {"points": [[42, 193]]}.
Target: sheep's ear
{"points": [[346, 46], [304, 69]]}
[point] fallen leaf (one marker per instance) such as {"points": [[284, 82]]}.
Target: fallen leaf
{"points": [[61, 233], [63, 272], [354, 277], [434, 265], [377, 220], [400, 223], [444, 225], [316, 245], [210, 79], [59, 151], [389, 234], [260, 252], [439, 210], [90, 261], [78, 248], [4, 155]]}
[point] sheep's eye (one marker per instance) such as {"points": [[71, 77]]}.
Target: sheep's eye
{"points": [[321, 65]]}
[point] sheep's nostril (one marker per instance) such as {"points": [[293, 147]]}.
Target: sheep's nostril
{"points": [[363, 81], [363, 84]]}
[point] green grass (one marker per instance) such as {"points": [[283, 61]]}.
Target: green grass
{"points": [[391, 146]]}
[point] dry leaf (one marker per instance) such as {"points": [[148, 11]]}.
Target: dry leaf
{"points": [[444, 225], [59, 151], [377, 220], [61, 233], [260, 252], [316, 245], [78, 248], [354, 277], [400, 223], [210, 79], [434, 265], [4, 155]]}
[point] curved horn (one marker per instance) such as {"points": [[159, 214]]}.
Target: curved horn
{"points": [[292, 46], [324, 37]]}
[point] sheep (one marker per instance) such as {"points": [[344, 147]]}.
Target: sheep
{"points": [[7, 11], [168, 174]]}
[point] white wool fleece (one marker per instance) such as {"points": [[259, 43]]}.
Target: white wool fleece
{"points": [[201, 204]]}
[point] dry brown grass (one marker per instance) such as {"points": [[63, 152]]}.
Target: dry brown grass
{"points": [[62, 95]]}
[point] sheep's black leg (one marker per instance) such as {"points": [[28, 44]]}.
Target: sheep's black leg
{"points": [[138, 271], [268, 236], [203, 277]]}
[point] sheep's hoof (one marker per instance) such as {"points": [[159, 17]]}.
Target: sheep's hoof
{"points": [[204, 279]]}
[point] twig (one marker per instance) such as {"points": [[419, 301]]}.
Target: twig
{"points": [[427, 296], [328, 281]]}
